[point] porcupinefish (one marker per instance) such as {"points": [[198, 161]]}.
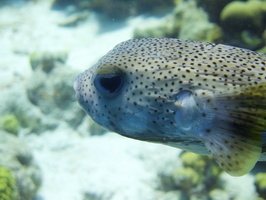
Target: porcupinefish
{"points": [[201, 97]]}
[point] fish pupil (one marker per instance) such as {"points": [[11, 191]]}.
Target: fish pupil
{"points": [[108, 84]]}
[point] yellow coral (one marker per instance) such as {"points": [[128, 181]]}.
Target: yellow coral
{"points": [[194, 161], [8, 189], [261, 181], [187, 178], [10, 124], [244, 15]]}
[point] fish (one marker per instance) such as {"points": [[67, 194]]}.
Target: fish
{"points": [[202, 97]]}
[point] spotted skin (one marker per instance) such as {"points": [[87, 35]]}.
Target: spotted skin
{"points": [[201, 97]]}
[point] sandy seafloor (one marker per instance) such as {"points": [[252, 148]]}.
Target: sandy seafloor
{"points": [[109, 166]]}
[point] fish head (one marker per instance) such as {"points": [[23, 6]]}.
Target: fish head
{"points": [[127, 92], [103, 92]]}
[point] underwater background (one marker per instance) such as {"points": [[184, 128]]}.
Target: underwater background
{"points": [[49, 148]]}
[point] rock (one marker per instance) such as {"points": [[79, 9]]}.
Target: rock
{"points": [[15, 156]]}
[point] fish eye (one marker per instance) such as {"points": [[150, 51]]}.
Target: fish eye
{"points": [[109, 84]]}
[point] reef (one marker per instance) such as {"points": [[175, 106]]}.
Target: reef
{"points": [[197, 179], [53, 95], [213, 8], [110, 8], [8, 188], [46, 61], [15, 156], [239, 23], [245, 23], [260, 183], [239, 16], [181, 24]]}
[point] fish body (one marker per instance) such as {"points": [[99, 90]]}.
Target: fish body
{"points": [[202, 97]]}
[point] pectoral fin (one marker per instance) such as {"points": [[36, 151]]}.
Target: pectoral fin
{"points": [[236, 139], [235, 155]]}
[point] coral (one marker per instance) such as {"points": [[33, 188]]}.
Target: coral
{"points": [[205, 168], [75, 19], [14, 101], [218, 194], [244, 23], [262, 50], [109, 8], [8, 188], [47, 61], [196, 26], [15, 156], [52, 92], [167, 27], [47, 91], [260, 183], [251, 40], [202, 164], [171, 195], [10, 124], [187, 178], [182, 24], [198, 176], [194, 161], [213, 8], [239, 16]]}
